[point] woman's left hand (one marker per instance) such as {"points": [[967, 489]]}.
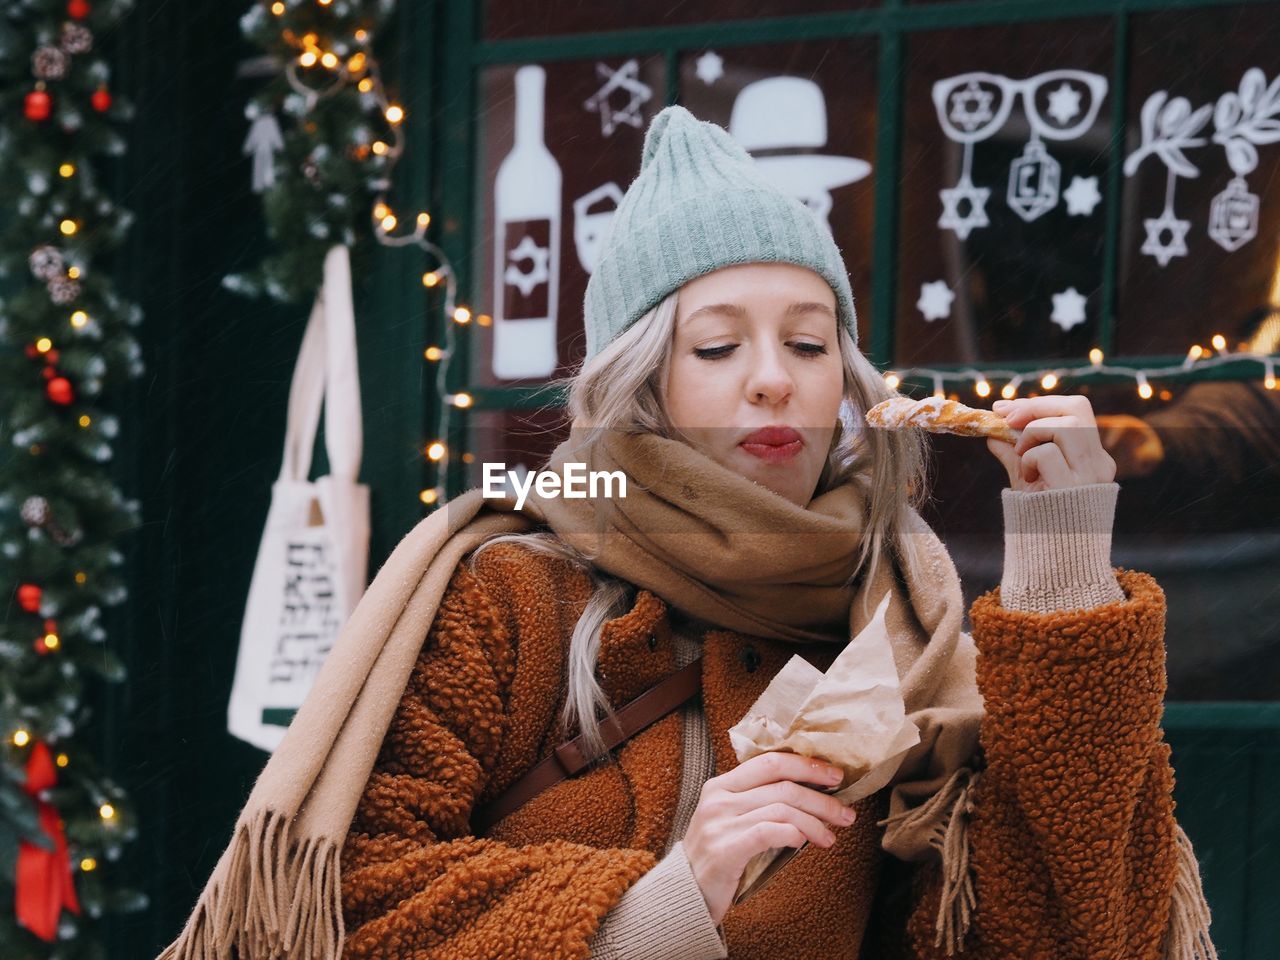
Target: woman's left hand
{"points": [[1059, 447]]}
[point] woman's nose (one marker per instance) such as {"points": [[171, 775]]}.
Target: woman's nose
{"points": [[770, 379]]}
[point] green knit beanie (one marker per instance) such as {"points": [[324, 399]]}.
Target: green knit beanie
{"points": [[700, 203]]}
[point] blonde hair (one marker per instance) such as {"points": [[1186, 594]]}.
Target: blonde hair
{"points": [[621, 387]]}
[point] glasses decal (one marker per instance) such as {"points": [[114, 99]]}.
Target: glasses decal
{"points": [[1058, 104]]}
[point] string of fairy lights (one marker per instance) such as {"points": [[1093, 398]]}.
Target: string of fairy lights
{"points": [[362, 69], [1198, 358]]}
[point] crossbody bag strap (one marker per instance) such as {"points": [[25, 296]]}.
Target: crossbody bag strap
{"points": [[568, 759]]}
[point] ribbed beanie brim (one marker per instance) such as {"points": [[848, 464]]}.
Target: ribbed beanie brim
{"points": [[700, 203]]}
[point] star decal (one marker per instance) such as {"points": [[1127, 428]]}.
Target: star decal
{"points": [[1157, 246], [626, 77], [975, 216], [1064, 103], [710, 67], [935, 300], [1082, 196], [1068, 308], [971, 107], [527, 280]]}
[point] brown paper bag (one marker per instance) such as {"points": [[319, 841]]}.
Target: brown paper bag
{"points": [[852, 717]]}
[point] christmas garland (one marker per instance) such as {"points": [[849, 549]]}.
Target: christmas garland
{"points": [[64, 343]]}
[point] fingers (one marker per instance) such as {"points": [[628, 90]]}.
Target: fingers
{"points": [[1076, 440], [796, 796], [1047, 463], [814, 830], [777, 765], [1021, 411]]}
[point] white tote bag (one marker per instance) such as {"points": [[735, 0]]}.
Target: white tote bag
{"points": [[311, 566]]}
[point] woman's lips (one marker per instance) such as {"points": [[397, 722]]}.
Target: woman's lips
{"points": [[773, 452]]}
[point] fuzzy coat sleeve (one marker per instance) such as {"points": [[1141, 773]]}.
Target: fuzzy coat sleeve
{"points": [[415, 880], [1072, 842]]}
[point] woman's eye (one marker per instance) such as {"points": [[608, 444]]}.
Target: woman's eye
{"points": [[813, 349], [715, 353]]}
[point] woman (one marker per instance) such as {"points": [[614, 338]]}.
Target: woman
{"points": [[760, 520]]}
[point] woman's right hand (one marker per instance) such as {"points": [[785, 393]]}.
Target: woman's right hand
{"points": [[758, 805]]}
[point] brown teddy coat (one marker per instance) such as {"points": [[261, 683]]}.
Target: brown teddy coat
{"points": [[1071, 838]]}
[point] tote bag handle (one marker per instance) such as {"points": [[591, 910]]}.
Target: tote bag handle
{"points": [[326, 372]]}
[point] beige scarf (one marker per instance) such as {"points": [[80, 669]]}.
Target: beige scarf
{"points": [[707, 540]]}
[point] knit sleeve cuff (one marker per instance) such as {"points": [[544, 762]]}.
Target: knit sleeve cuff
{"points": [[662, 916], [1057, 548]]}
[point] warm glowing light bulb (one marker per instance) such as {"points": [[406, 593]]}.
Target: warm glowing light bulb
{"points": [[329, 60], [380, 210], [73, 273], [983, 388], [362, 34], [1196, 352], [356, 63], [430, 278], [484, 320], [1049, 381], [79, 319], [88, 863], [68, 227], [433, 353], [44, 344], [939, 394], [21, 738], [67, 170], [1144, 388], [365, 85], [84, 420], [379, 147], [424, 219], [389, 222], [1095, 356], [62, 760], [891, 380], [1008, 391], [51, 641], [81, 577], [462, 315], [427, 496], [1269, 381], [1219, 342], [307, 58], [394, 114], [462, 399], [106, 811], [435, 450], [278, 8]]}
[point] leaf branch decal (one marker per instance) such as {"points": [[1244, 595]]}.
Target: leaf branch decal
{"points": [[1246, 120], [1168, 128]]}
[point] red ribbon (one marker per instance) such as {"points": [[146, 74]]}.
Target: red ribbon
{"points": [[43, 878]]}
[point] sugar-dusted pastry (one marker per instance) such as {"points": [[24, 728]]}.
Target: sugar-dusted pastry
{"points": [[939, 415]]}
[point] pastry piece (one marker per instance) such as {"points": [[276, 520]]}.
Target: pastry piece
{"points": [[939, 415]]}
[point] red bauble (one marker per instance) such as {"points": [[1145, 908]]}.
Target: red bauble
{"points": [[79, 9], [40, 646], [29, 597], [37, 106], [51, 356], [101, 100], [59, 390], [49, 373]]}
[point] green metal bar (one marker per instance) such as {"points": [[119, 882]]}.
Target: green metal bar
{"points": [[824, 26], [884, 254], [1115, 185]]}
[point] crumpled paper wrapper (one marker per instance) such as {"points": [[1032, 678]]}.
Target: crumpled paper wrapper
{"points": [[852, 716]]}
